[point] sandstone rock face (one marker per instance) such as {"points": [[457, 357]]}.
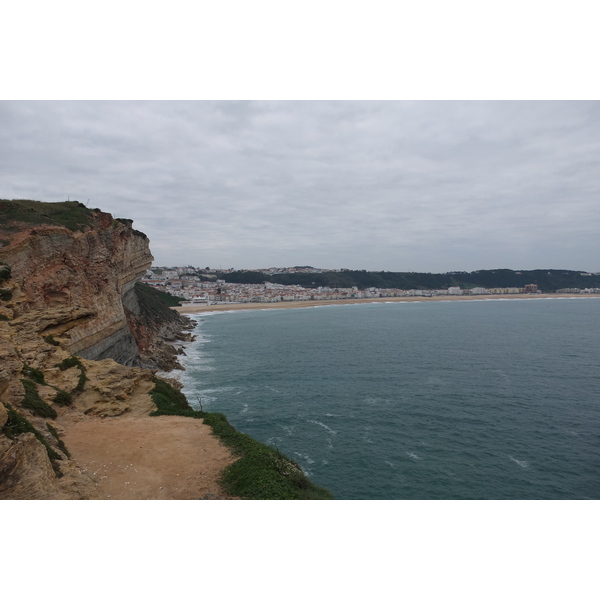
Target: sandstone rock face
{"points": [[91, 270], [114, 390], [110, 389], [26, 472], [72, 292]]}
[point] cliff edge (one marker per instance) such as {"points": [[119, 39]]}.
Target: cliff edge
{"points": [[66, 256], [80, 340]]}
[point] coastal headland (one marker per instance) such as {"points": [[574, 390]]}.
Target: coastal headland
{"points": [[201, 308], [83, 411]]}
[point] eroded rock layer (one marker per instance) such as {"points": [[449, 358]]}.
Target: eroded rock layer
{"points": [[75, 329]]}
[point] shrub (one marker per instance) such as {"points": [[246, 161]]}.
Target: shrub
{"points": [[6, 295], [62, 398], [49, 339], [3, 317], [67, 363], [34, 403], [34, 374]]}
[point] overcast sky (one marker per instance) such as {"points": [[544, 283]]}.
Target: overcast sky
{"points": [[399, 186]]}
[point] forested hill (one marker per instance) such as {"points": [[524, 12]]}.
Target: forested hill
{"points": [[547, 280]]}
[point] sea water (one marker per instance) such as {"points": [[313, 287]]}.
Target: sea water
{"points": [[492, 399]]}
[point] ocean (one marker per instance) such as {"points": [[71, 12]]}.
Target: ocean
{"points": [[488, 399]]}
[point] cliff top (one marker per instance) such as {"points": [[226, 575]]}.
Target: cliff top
{"points": [[15, 214], [21, 215]]}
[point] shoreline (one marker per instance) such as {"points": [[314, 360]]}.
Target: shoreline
{"points": [[201, 308]]}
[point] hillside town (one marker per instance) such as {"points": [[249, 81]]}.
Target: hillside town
{"points": [[202, 286]]}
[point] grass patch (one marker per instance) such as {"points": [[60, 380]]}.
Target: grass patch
{"points": [[261, 472], [49, 339], [73, 361], [67, 363], [61, 444], [170, 401], [16, 425], [62, 398], [34, 403], [73, 215], [33, 374]]}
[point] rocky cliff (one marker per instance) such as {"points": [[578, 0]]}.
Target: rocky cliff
{"points": [[88, 264], [75, 328]]}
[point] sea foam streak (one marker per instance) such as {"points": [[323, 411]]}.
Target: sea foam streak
{"points": [[521, 463], [324, 426]]}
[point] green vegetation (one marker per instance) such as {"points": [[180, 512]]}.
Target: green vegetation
{"points": [[33, 374], [73, 215], [61, 444], [73, 361], [3, 317], [170, 401], [67, 363], [16, 425], [5, 272], [34, 403], [261, 472], [5, 295], [156, 304], [153, 298], [49, 339], [62, 398]]}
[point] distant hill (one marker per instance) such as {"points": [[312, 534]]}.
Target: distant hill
{"points": [[547, 280]]}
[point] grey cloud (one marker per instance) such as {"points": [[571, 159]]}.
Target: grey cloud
{"points": [[428, 186]]}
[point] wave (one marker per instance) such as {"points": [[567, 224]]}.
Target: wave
{"points": [[522, 463], [305, 457], [322, 425]]}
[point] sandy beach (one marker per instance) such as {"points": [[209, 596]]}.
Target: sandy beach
{"points": [[197, 308]]}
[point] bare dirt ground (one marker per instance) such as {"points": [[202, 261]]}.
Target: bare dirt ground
{"points": [[149, 458]]}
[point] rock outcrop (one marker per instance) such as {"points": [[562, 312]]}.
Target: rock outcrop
{"points": [[90, 266], [75, 329]]}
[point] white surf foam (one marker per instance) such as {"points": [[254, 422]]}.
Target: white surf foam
{"points": [[522, 463], [323, 426]]}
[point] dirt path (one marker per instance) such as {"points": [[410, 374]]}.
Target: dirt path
{"points": [[149, 458]]}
